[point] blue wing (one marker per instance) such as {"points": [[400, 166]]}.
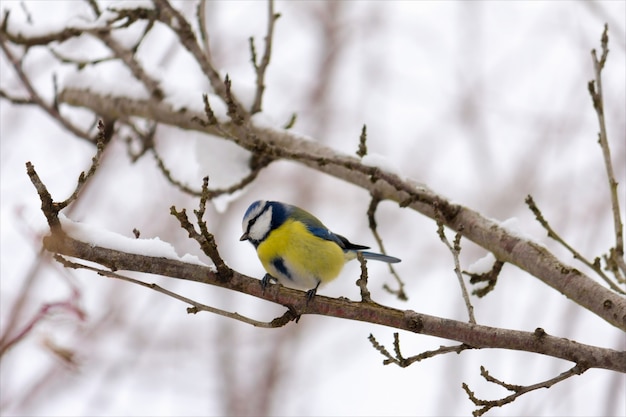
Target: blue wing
{"points": [[316, 227]]}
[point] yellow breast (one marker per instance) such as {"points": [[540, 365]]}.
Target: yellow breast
{"points": [[306, 258]]}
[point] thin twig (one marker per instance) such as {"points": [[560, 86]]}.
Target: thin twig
{"points": [[595, 266], [15, 99], [177, 22], [362, 151], [102, 139], [234, 111], [195, 306], [362, 281], [371, 212], [595, 90], [204, 33], [490, 277], [261, 68], [210, 193], [127, 57], [34, 96], [170, 178], [518, 390], [70, 305], [403, 362], [204, 238], [455, 249]]}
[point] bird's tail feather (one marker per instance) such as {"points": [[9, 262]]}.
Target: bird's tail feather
{"points": [[380, 257]]}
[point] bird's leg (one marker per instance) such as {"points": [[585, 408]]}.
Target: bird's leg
{"points": [[267, 279], [311, 293]]}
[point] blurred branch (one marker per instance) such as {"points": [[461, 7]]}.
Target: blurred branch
{"points": [[261, 67], [362, 150], [127, 56], [69, 306], [33, 96], [29, 41], [595, 90], [177, 22], [204, 34]]}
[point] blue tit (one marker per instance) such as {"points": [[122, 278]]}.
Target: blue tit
{"points": [[296, 249]]}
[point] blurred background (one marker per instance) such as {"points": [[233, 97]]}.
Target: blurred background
{"points": [[484, 102]]}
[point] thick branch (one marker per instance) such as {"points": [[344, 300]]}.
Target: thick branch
{"points": [[476, 336]]}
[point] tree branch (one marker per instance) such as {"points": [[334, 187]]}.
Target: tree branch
{"points": [[476, 336], [598, 103], [518, 390], [261, 67]]}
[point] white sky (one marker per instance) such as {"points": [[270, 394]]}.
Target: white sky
{"points": [[484, 102]]}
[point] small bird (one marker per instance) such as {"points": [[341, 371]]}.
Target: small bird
{"points": [[296, 249]]}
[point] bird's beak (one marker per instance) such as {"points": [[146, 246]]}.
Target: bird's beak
{"points": [[244, 237]]}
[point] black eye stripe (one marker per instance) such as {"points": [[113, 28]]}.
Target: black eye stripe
{"points": [[255, 218]]}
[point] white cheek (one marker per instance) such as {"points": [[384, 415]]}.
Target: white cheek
{"points": [[262, 225]]}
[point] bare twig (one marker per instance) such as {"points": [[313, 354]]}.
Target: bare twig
{"points": [[94, 6], [595, 266], [490, 277], [208, 111], [70, 305], [234, 111], [80, 64], [261, 67], [595, 89], [204, 238], [210, 193], [195, 306], [518, 390], [169, 177], [371, 216], [362, 151], [34, 96], [177, 22], [403, 362], [15, 99], [145, 139], [362, 281], [455, 250], [127, 56], [51, 208], [102, 139], [49, 37], [204, 33]]}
